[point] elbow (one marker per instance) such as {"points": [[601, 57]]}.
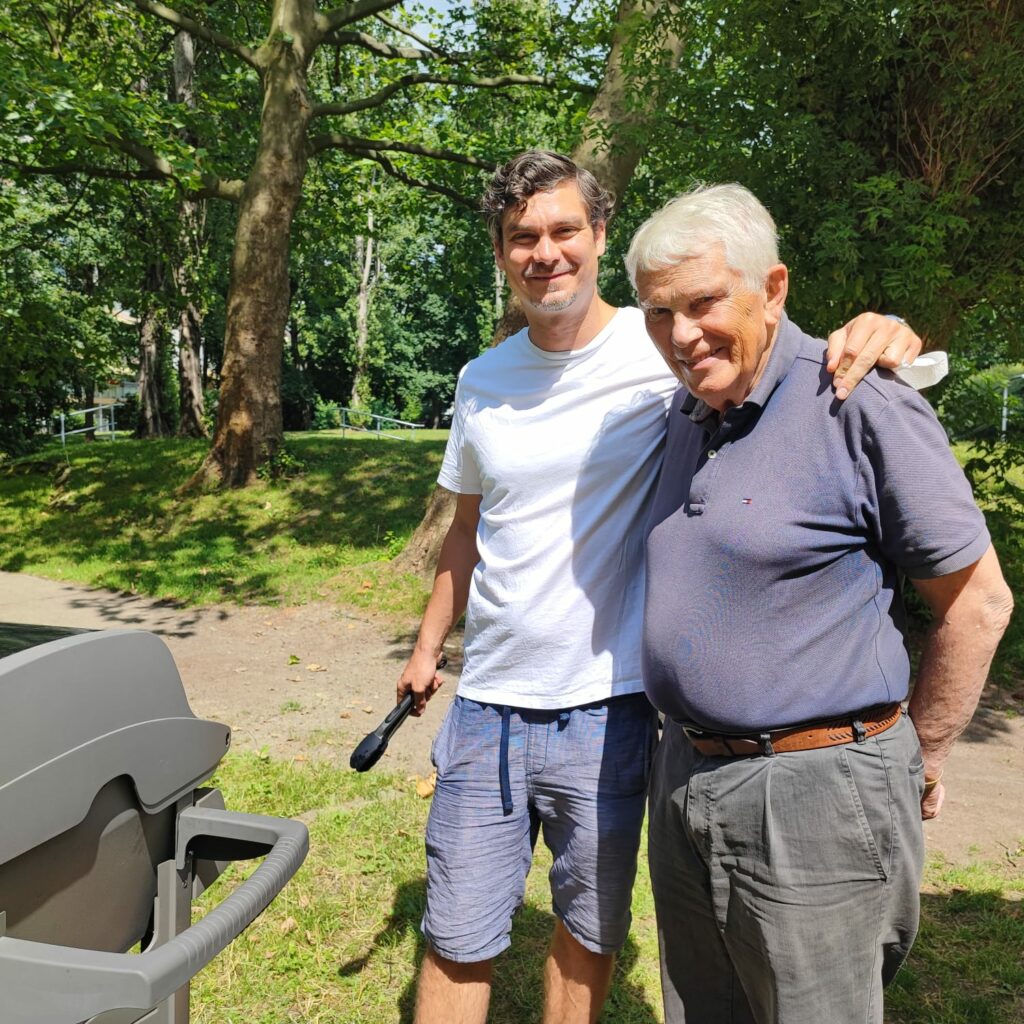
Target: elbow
{"points": [[997, 609], [990, 613]]}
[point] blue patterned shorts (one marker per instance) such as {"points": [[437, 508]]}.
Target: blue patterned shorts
{"points": [[504, 775]]}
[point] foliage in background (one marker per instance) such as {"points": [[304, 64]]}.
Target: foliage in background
{"points": [[57, 334]]}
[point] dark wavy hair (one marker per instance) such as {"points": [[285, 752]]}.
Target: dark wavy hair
{"points": [[540, 170]]}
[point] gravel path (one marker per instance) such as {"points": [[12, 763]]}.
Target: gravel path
{"points": [[312, 681]]}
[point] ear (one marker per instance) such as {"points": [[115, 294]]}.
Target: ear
{"points": [[499, 256], [776, 288], [600, 237]]}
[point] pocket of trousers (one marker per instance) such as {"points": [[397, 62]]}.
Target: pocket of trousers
{"points": [[867, 778], [444, 741]]}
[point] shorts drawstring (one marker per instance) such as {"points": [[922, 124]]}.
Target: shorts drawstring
{"points": [[503, 779]]}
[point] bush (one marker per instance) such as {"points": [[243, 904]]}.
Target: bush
{"points": [[211, 396], [971, 409], [325, 415]]}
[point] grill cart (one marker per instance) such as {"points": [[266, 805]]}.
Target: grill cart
{"points": [[106, 837]]}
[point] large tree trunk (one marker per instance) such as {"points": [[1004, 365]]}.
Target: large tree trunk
{"points": [[191, 216], [249, 427], [610, 148]]}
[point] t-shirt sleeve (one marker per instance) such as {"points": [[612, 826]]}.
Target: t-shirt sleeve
{"points": [[915, 497], [459, 472]]}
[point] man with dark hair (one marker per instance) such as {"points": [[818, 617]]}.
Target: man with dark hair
{"points": [[555, 446]]}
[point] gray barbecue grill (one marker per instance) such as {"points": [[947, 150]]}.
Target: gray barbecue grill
{"points": [[105, 838]]}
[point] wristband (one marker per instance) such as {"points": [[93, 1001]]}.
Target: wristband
{"points": [[930, 784]]}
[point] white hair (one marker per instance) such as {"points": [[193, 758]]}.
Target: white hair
{"points": [[704, 216]]}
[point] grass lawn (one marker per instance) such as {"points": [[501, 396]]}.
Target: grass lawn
{"points": [[341, 943], [106, 514]]}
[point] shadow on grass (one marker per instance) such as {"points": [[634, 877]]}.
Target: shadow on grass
{"points": [[966, 964], [113, 510], [518, 987]]}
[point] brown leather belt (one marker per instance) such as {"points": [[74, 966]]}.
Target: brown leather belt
{"points": [[857, 728]]}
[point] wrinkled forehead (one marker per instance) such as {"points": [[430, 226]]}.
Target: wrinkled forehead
{"points": [[700, 272]]}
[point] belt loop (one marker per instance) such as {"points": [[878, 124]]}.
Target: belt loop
{"points": [[503, 779], [859, 731], [766, 744]]}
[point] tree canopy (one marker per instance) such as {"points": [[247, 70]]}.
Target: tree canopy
{"points": [[290, 188]]}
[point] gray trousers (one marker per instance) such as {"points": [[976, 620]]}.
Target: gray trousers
{"points": [[786, 887]]}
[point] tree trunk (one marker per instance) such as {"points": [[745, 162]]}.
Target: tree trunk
{"points": [[366, 255], [249, 426], [617, 124], [89, 397], [152, 339], [610, 149], [191, 217], [190, 375]]}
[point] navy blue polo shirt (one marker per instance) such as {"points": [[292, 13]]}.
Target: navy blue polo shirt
{"points": [[776, 538]]}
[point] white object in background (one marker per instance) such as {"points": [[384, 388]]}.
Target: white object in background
{"points": [[925, 370]]}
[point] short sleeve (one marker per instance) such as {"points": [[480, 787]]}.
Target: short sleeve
{"points": [[914, 495], [459, 472]]}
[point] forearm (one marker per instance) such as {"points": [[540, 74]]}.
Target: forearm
{"points": [[450, 592], [953, 669], [972, 610]]}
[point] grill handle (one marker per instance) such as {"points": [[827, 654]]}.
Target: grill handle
{"points": [[54, 984]]}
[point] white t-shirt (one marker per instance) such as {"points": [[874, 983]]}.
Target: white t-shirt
{"points": [[564, 448]]}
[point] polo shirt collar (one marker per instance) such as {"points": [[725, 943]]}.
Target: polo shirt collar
{"points": [[780, 361]]}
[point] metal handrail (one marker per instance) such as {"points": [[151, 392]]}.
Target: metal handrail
{"points": [[1006, 402], [377, 422], [102, 428]]}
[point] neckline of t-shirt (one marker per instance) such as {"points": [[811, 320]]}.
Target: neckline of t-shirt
{"points": [[574, 354]]}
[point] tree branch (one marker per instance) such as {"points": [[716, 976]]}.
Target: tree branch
{"points": [[408, 179], [181, 22], [423, 78], [375, 45], [354, 144], [69, 167], [153, 168], [412, 35], [333, 20]]}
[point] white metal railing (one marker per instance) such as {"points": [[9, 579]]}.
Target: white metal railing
{"points": [[102, 425], [377, 422], [1007, 388]]}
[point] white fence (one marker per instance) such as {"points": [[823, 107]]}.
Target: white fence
{"points": [[103, 422], [356, 420]]}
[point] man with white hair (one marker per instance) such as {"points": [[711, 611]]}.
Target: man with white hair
{"points": [[788, 790]]}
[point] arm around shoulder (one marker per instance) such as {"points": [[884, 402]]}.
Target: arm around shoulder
{"points": [[972, 609]]}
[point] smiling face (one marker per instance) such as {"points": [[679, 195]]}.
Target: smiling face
{"points": [[549, 252], [711, 329]]}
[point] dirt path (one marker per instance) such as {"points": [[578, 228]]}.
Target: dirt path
{"points": [[238, 666]]}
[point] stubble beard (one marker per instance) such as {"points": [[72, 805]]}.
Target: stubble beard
{"points": [[545, 305]]}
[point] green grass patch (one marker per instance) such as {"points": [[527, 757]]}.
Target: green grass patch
{"points": [[341, 943], [107, 514]]}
